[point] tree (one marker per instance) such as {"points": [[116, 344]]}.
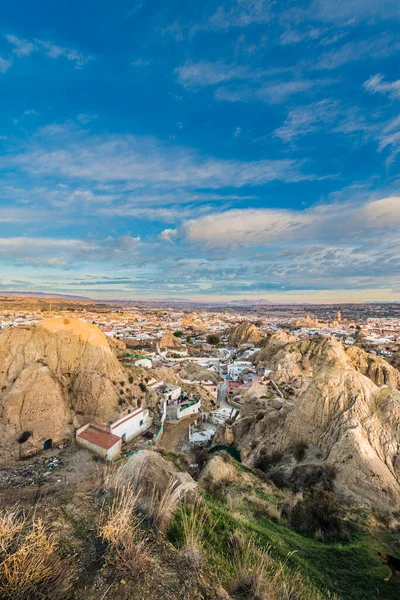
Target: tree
{"points": [[178, 334], [213, 339]]}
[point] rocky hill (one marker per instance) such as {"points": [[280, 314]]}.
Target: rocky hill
{"points": [[340, 405], [244, 333], [54, 377], [169, 340]]}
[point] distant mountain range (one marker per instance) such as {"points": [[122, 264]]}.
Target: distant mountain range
{"points": [[42, 295]]}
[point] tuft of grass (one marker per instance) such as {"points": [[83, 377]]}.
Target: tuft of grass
{"points": [[128, 554], [163, 505], [195, 525], [30, 566]]}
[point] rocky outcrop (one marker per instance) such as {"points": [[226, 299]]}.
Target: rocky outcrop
{"points": [[272, 344], [169, 340], [245, 333], [147, 471], [337, 403], [54, 377], [192, 320]]}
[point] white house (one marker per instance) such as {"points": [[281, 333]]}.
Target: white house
{"points": [[144, 362], [132, 424], [106, 440], [186, 409]]}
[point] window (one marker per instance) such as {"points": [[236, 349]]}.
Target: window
{"points": [[141, 423]]}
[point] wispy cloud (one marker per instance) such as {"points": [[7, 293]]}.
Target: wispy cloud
{"points": [[376, 48], [239, 13], [5, 64], [246, 84], [273, 92], [389, 137], [147, 163], [377, 84], [349, 11], [22, 47], [204, 74]]}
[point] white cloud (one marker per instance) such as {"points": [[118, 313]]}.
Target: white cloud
{"points": [[304, 120], [389, 137], [258, 227], [377, 84], [272, 92], [168, 235], [145, 162], [23, 48], [5, 64], [347, 11], [202, 74], [241, 13], [373, 48]]}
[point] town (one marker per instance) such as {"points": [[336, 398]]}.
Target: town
{"points": [[199, 363]]}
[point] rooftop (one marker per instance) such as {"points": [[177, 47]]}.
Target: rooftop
{"points": [[104, 439]]}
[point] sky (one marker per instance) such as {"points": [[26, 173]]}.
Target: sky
{"points": [[201, 150]]}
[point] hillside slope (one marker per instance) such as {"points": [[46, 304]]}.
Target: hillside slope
{"points": [[54, 377], [338, 405]]}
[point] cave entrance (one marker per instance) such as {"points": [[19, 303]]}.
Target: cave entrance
{"points": [[47, 445]]}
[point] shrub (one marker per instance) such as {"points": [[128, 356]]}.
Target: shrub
{"points": [[307, 476], [299, 451], [30, 567], [213, 339], [265, 461], [130, 378], [320, 513], [143, 387]]}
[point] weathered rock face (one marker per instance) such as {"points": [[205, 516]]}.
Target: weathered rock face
{"points": [[147, 470], [169, 340], [245, 333], [192, 320], [54, 377], [337, 405]]}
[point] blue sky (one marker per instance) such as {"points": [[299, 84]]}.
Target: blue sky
{"points": [[240, 149]]}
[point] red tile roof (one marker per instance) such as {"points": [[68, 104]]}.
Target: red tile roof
{"points": [[104, 439]]}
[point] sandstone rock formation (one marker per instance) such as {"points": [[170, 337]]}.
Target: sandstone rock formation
{"points": [[54, 377], [169, 340], [245, 333], [147, 470], [192, 320], [337, 401]]}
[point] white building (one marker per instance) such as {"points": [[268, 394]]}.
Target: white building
{"points": [[99, 441], [132, 425]]}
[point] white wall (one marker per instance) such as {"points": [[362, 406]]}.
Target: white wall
{"points": [[190, 410], [109, 454], [133, 424]]}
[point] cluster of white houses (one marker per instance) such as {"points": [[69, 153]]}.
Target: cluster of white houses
{"points": [[106, 440]]}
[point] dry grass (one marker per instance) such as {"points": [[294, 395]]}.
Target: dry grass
{"points": [[162, 505], [263, 508], [119, 527], [195, 525], [30, 567]]}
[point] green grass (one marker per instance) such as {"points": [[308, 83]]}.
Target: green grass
{"points": [[351, 571]]}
